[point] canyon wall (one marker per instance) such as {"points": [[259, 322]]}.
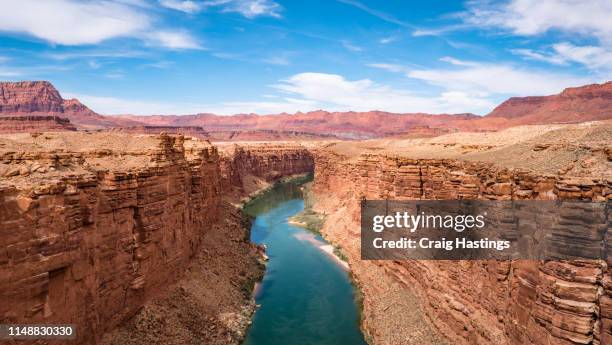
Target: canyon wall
{"points": [[93, 226], [91, 248], [17, 124], [470, 302], [246, 168]]}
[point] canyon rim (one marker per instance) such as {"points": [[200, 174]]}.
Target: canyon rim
{"points": [[199, 172]]}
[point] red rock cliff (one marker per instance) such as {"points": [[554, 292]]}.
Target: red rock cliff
{"points": [[250, 166], [94, 226], [470, 302]]}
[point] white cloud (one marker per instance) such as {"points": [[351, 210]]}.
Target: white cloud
{"points": [[390, 67], [306, 92], [592, 56], [247, 8], [387, 40], [540, 56], [533, 17], [581, 19], [487, 79], [378, 14], [173, 40], [278, 60], [71, 22], [348, 45], [334, 92], [183, 6]]}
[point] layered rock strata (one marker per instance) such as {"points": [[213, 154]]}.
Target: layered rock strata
{"points": [[246, 168], [94, 226], [17, 124], [469, 302]]}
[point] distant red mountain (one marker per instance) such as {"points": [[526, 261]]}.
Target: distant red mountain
{"points": [[41, 98], [350, 124], [578, 104], [575, 104]]}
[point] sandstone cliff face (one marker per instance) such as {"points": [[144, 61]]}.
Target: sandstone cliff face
{"points": [[29, 97], [41, 98], [471, 302], [91, 248], [249, 167], [17, 124], [94, 226]]}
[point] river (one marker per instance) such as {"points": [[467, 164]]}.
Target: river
{"points": [[306, 297]]}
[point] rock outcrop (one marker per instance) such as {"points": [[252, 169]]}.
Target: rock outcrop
{"points": [[41, 98], [18, 124], [94, 226], [246, 168], [192, 131], [469, 302], [90, 247]]}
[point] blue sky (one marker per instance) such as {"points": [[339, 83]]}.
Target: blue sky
{"points": [[270, 56]]}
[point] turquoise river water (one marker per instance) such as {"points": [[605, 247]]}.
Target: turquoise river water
{"points": [[306, 297]]}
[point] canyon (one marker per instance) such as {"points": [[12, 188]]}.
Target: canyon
{"points": [[117, 232], [577, 104], [100, 228], [137, 236]]}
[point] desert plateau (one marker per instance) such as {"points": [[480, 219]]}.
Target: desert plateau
{"points": [[223, 172]]}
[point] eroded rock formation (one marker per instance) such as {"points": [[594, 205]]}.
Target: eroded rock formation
{"points": [[41, 98], [471, 302], [18, 124], [246, 168], [94, 226]]}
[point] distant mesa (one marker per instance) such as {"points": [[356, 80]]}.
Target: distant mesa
{"points": [[32, 123], [576, 104]]}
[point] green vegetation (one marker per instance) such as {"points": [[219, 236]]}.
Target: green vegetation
{"points": [[308, 218]]}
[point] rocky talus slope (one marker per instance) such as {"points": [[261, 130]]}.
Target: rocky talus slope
{"points": [[100, 228], [474, 302]]}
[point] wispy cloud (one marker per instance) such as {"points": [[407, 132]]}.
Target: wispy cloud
{"points": [[378, 14], [280, 60], [533, 17], [183, 6], [247, 8], [438, 31], [390, 67], [540, 56], [101, 54], [159, 64], [335, 92], [173, 40], [496, 78], [72, 23], [350, 46], [591, 56], [387, 40], [483, 83], [581, 19]]}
